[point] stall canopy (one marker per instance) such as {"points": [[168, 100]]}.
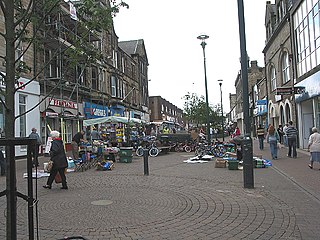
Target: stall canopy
{"points": [[111, 119]]}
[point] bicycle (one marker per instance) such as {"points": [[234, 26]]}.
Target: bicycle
{"points": [[150, 145]]}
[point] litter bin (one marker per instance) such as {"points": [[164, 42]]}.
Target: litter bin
{"points": [[125, 154]]}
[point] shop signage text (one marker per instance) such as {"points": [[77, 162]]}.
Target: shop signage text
{"points": [[63, 103]]}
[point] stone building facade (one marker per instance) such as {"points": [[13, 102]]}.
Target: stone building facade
{"points": [[278, 64]]}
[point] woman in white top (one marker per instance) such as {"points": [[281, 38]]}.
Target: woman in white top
{"points": [[314, 147]]}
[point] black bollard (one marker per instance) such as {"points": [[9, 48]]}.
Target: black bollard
{"points": [[145, 161]]}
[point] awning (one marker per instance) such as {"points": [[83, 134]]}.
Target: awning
{"points": [[111, 119]]}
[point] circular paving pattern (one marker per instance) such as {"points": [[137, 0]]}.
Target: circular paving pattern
{"points": [[136, 207]]}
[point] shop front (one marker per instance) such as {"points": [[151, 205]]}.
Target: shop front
{"points": [[260, 113], [307, 97], [61, 115]]}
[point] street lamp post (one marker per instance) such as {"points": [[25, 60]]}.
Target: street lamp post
{"points": [[247, 140], [222, 122], [203, 44]]}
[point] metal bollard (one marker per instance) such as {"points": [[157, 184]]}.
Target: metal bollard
{"points": [[247, 157], [145, 161]]}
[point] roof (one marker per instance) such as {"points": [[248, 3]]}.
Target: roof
{"points": [[133, 47]]}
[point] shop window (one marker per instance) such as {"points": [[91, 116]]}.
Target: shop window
{"points": [[68, 132]]}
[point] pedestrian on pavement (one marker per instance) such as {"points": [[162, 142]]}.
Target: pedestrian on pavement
{"points": [[291, 133], [95, 134], [280, 133], [314, 147], [285, 137], [59, 159], [2, 164], [216, 133], [261, 136], [236, 132], [272, 139], [35, 149], [75, 143]]}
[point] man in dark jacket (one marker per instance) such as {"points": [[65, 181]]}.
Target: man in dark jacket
{"points": [[76, 141], [292, 133], [59, 158], [35, 150]]}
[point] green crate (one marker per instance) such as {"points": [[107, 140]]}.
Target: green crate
{"points": [[233, 165], [125, 152], [125, 159]]}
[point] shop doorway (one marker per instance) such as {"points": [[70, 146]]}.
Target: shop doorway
{"points": [[307, 126]]}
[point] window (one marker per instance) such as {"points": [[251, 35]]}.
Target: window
{"points": [[94, 78], [81, 75], [68, 133], [22, 119], [273, 79], [113, 86], [52, 69], [133, 70], [307, 33], [285, 68], [115, 58], [119, 92]]}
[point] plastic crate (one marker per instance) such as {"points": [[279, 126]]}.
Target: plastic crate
{"points": [[125, 152], [233, 165]]}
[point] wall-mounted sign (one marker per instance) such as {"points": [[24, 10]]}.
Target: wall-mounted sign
{"points": [[92, 110], [284, 91], [63, 103]]}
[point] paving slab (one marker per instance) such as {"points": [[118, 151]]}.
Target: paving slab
{"points": [[176, 201]]}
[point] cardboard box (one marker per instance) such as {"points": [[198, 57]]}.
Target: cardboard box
{"points": [[220, 163]]}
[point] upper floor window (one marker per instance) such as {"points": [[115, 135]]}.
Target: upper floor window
{"points": [[115, 58], [307, 36], [113, 86], [281, 10], [52, 69], [285, 65], [273, 78]]}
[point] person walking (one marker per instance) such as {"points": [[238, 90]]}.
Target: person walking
{"points": [[314, 147], [35, 149], [75, 143], [261, 136], [285, 138], [280, 133], [272, 139], [59, 159], [291, 133]]}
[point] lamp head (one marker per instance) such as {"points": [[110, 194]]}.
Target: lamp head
{"points": [[203, 37]]}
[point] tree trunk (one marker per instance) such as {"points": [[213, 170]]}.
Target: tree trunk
{"points": [[9, 119]]}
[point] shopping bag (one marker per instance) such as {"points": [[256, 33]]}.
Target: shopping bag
{"points": [[49, 166], [57, 178]]}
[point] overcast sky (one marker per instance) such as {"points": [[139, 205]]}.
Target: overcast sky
{"points": [[170, 28]]}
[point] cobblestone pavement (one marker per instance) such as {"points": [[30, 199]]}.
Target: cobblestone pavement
{"points": [[176, 201]]}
